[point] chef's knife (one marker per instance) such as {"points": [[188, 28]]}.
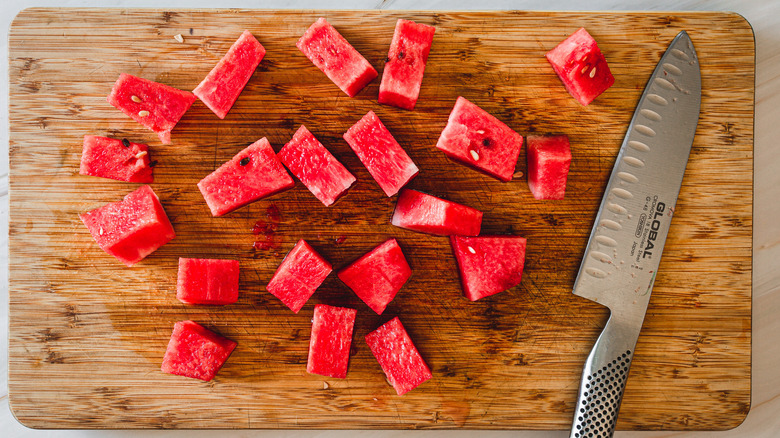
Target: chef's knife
{"points": [[622, 257]]}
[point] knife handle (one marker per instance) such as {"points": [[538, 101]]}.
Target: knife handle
{"points": [[603, 381]]}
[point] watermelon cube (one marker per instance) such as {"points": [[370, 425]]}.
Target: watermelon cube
{"points": [[132, 228], [384, 158], [156, 106], [331, 338], [477, 139], [221, 87], [207, 281], [116, 159], [252, 174], [302, 271], [317, 168], [579, 63], [394, 350], [195, 351], [331, 53], [403, 74], [488, 264], [377, 276], [549, 157], [421, 212]]}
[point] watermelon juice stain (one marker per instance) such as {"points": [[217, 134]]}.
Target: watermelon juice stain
{"points": [[265, 230]]}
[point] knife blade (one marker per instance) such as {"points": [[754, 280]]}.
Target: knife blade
{"points": [[621, 259]]}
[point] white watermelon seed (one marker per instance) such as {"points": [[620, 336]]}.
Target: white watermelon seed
{"points": [[480, 132], [472, 250], [140, 154], [135, 98], [101, 231], [592, 72], [474, 155], [178, 38], [143, 113], [584, 69]]}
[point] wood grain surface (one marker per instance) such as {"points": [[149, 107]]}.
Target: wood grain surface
{"points": [[87, 334]]}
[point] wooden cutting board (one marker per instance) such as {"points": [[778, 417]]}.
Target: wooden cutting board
{"points": [[87, 334]]}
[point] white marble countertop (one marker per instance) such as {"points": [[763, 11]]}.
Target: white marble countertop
{"points": [[764, 15]]}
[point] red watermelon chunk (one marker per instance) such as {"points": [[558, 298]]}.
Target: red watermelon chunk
{"points": [[403, 74], [132, 228], [116, 159], [477, 139], [154, 105], [195, 351], [393, 348], [252, 174], [384, 158], [302, 271], [428, 214], [221, 87], [207, 281], [579, 63], [317, 168], [548, 165], [488, 264], [331, 338], [378, 276], [331, 53]]}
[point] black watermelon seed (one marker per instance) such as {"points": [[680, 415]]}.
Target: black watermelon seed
{"points": [[244, 161], [125, 143]]}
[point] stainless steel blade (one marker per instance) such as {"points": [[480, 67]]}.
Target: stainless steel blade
{"points": [[622, 257]]}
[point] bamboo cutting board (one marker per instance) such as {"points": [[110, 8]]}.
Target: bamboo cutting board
{"points": [[87, 334]]}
